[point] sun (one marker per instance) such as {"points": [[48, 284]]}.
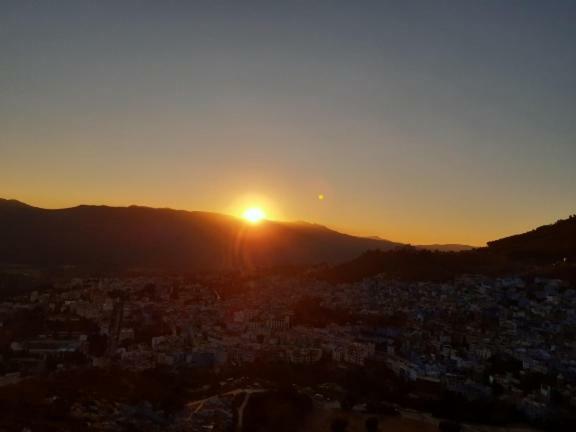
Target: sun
{"points": [[254, 215]]}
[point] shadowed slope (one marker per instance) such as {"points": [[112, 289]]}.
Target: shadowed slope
{"points": [[136, 237], [548, 251]]}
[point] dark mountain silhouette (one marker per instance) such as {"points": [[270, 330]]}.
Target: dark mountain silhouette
{"points": [[546, 243], [548, 251], [141, 237], [147, 238], [450, 247], [12, 204], [446, 247], [414, 264]]}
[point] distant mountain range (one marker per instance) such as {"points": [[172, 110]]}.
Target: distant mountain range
{"points": [[451, 247], [148, 238], [141, 237]]}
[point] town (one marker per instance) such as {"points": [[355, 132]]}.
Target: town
{"points": [[506, 340]]}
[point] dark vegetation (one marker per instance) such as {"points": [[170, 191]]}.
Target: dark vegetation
{"points": [[17, 281], [411, 264], [280, 411], [284, 408], [548, 251], [52, 399]]}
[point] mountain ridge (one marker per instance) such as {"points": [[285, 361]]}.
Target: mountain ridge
{"points": [[138, 236], [141, 237]]}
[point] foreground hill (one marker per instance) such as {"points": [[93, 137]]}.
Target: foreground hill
{"points": [[546, 243], [548, 251], [141, 237]]}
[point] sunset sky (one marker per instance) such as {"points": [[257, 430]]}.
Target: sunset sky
{"points": [[418, 121]]}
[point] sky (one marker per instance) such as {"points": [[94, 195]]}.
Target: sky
{"points": [[419, 121]]}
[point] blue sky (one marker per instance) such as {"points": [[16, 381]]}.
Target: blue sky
{"points": [[422, 121]]}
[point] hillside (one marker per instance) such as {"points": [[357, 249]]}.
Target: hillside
{"points": [[548, 251], [141, 237], [552, 242]]}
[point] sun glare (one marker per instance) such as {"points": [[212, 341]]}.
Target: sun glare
{"points": [[254, 215]]}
